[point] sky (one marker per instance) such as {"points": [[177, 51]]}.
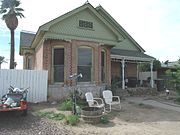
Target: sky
{"points": [[154, 24]]}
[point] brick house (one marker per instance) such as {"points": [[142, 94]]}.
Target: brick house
{"points": [[85, 40]]}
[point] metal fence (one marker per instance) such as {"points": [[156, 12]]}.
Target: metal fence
{"points": [[35, 79]]}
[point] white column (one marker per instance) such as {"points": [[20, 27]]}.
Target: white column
{"points": [[137, 72], [123, 81], [137, 76], [152, 80]]}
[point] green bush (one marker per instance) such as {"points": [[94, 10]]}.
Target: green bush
{"points": [[104, 120], [81, 102], [72, 119], [66, 105]]}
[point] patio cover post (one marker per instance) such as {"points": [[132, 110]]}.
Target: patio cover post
{"points": [[123, 82], [137, 72], [152, 80]]}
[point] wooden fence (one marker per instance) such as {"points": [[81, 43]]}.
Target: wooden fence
{"points": [[36, 80]]}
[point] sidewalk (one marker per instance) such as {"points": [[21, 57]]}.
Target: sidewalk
{"points": [[160, 104]]}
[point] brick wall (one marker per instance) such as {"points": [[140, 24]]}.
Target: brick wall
{"points": [[44, 56], [38, 61]]}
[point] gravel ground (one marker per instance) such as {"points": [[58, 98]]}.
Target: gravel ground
{"points": [[12, 123], [133, 119]]}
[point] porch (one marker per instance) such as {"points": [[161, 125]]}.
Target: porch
{"points": [[125, 69]]}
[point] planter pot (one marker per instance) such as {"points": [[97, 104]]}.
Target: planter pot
{"points": [[91, 114]]}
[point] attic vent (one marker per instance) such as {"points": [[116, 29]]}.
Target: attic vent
{"points": [[85, 24]]}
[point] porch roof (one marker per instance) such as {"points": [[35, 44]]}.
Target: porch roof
{"points": [[130, 55]]}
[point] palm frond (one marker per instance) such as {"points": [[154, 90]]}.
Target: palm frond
{"points": [[9, 7], [16, 3], [20, 15], [19, 9], [2, 11], [4, 16], [6, 4]]}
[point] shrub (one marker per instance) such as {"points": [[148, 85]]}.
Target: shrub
{"points": [[175, 77], [66, 105], [72, 119], [104, 120]]}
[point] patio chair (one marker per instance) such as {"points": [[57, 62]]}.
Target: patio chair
{"points": [[94, 102], [111, 100]]}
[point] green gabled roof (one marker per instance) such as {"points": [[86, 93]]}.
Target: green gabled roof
{"points": [[107, 20], [45, 27], [117, 26]]}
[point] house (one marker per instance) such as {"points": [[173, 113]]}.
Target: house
{"points": [[85, 40]]}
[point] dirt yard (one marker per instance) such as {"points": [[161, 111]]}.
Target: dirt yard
{"points": [[133, 119]]}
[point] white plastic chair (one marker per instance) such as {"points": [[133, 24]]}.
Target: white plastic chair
{"points": [[110, 99], [94, 102]]}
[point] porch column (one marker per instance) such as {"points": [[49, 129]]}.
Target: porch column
{"points": [[152, 81], [123, 81], [137, 73]]}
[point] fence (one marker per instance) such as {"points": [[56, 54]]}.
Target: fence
{"points": [[36, 80], [145, 75]]}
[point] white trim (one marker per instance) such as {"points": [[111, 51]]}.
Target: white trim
{"points": [[130, 58]]}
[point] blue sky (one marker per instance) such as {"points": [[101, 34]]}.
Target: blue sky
{"points": [[154, 24]]}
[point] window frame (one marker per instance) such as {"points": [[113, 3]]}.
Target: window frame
{"points": [[92, 63], [29, 62], [52, 76]]}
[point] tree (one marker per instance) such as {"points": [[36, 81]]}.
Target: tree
{"points": [[175, 75], [2, 60], [10, 11]]}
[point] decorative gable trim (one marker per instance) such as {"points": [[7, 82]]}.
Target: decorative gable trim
{"points": [[117, 26], [45, 28]]}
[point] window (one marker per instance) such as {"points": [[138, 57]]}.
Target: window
{"points": [[29, 62], [85, 63], [58, 64], [103, 66], [85, 24]]}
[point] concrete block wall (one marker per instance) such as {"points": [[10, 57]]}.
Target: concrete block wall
{"points": [[58, 93]]}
